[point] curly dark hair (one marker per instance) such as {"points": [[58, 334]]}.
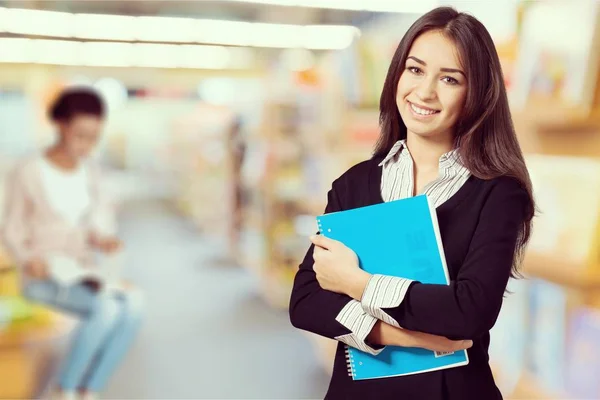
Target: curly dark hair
{"points": [[77, 101]]}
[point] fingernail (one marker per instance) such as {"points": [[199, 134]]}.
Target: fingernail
{"points": [[469, 343]]}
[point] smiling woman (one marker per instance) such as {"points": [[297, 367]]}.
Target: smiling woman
{"points": [[446, 132], [432, 90]]}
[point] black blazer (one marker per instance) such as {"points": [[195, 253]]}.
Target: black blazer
{"points": [[479, 227]]}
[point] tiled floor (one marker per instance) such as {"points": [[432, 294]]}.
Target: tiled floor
{"points": [[207, 335]]}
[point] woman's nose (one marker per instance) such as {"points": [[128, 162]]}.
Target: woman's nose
{"points": [[426, 89]]}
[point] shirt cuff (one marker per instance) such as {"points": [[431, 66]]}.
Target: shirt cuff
{"points": [[384, 291], [354, 318], [20, 257]]}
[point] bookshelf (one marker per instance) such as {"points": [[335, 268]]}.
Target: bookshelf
{"points": [[284, 196]]}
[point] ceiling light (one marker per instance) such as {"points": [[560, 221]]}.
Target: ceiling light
{"points": [[164, 29], [114, 54], [103, 27], [175, 30], [106, 54], [58, 52], [16, 50], [36, 22], [208, 57], [397, 6]]}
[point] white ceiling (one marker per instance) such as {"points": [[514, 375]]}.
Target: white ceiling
{"points": [[200, 9]]}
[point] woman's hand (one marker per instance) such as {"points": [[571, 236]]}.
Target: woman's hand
{"points": [[111, 245], [107, 245], [437, 343], [36, 268], [336, 267], [384, 334]]}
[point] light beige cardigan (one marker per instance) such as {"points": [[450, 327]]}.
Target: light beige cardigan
{"points": [[31, 228]]}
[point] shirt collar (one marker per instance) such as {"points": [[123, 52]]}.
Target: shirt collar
{"points": [[396, 148], [450, 160]]}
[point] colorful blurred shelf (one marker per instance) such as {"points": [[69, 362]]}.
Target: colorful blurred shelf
{"points": [[562, 272]]}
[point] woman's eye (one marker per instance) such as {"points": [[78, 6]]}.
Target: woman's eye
{"points": [[450, 80], [414, 70]]}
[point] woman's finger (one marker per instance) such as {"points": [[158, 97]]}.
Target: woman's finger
{"points": [[318, 253], [324, 242]]}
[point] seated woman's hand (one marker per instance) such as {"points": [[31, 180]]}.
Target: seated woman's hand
{"points": [[111, 245], [36, 268], [106, 245]]}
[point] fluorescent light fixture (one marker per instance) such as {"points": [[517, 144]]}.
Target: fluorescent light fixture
{"points": [[16, 50], [103, 27], [223, 32], [241, 57], [175, 30], [106, 54], [111, 54], [256, 34], [59, 52], [211, 57], [276, 35], [323, 37], [164, 29], [156, 55], [36, 22], [396, 6]]}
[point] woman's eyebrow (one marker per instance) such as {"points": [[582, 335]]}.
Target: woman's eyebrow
{"points": [[441, 69]]}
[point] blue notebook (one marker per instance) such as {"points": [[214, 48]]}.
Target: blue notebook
{"points": [[399, 238]]}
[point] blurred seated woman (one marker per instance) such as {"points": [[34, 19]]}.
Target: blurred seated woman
{"points": [[56, 207]]}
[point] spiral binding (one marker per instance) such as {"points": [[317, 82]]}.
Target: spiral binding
{"points": [[321, 227], [350, 362]]}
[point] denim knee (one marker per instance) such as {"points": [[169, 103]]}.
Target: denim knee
{"points": [[135, 303], [107, 309]]}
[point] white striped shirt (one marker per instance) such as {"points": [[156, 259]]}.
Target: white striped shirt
{"points": [[397, 182]]}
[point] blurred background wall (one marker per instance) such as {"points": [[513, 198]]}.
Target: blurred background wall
{"points": [[227, 122]]}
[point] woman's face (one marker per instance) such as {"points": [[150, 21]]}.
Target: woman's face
{"points": [[80, 134], [432, 88]]}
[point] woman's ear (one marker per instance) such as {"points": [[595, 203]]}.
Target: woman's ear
{"points": [[61, 125]]}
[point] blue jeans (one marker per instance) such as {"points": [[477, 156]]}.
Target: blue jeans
{"points": [[109, 323]]}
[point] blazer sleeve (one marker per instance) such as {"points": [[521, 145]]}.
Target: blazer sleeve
{"points": [[16, 220], [326, 313], [469, 306]]}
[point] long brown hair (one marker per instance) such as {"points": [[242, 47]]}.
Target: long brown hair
{"points": [[484, 133]]}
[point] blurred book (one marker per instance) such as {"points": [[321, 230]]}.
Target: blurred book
{"points": [[557, 63], [14, 308], [510, 335], [568, 197], [548, 316], [583, 363]]}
